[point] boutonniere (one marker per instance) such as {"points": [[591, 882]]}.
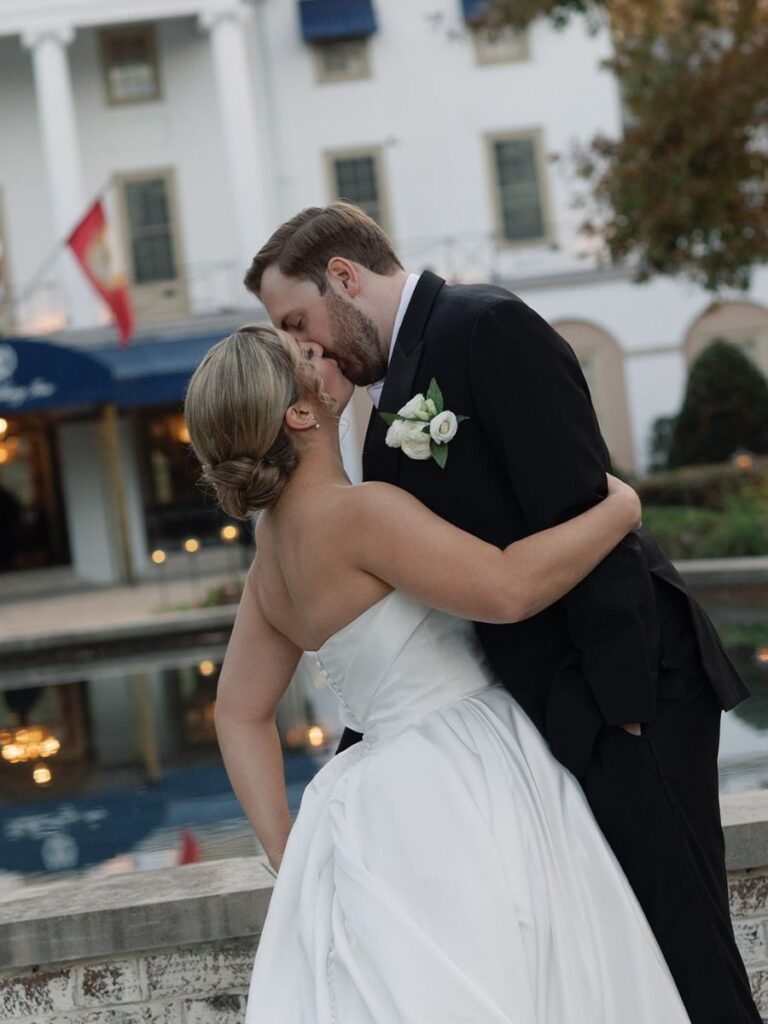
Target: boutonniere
{"points": [[423, 427]]}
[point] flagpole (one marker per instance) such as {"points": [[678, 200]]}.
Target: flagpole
{"points": [[50, 259]]}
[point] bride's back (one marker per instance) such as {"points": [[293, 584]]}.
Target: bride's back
{"points": [[304, 576]]}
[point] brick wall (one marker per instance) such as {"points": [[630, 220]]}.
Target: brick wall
{"points": [[749, 909], [201, 984]]}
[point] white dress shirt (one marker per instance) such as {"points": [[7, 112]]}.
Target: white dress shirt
{"points": [[374, 390]]}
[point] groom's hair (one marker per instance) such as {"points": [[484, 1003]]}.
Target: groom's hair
{"points": [[303, 246]]}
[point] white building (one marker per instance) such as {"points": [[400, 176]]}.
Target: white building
{"points": [[205, 123]]}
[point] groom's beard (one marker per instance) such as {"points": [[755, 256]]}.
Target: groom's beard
{"points": [[357, 348]]}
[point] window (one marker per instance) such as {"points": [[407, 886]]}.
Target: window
{"points": [[32, 513], [149, 222], [150, 234], [131, 70], [518, 188], [342, 60], [357, 176], [175, 506], [499, 45]]}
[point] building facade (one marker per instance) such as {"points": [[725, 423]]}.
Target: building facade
{"points": [[202, 125]]}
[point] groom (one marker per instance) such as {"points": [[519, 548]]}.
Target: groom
{"points": [[625, 677]]}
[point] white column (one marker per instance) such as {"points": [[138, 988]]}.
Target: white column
{"points": [[61, 152], [87, 501], [246, 169]]}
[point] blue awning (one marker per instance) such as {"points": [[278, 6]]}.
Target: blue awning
{"points": [[475, 10], [154, 372], [36, 375], [326, 20]]}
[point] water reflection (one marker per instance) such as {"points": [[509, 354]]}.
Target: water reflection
{"points": [[104, 810], [744, 739]]}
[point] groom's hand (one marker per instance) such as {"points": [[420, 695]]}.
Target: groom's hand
{"points": [[634, 728]]}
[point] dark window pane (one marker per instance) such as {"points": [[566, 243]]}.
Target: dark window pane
{"points": [[357, 183], [131, 66], [521, 212], [150, 230]]}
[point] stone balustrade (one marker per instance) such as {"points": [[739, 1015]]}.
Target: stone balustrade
{"points": [[176, 946]]}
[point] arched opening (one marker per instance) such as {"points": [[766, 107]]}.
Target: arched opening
{"points": [[743, 324], [602, 361]]}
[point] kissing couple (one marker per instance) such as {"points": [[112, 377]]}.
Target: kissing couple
{"points": [[521, 825]]}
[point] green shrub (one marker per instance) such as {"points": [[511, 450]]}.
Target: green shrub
{"points": [[725, 408], [702, 486], [682, 532], [743, 526], [738, 530]]}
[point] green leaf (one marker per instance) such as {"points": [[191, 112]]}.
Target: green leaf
{"points": [[389, 417], [439, 454], [436, 395], [460, 419]]}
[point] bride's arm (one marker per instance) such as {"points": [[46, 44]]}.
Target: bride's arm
{"points": [[397, 539], [257, 669]]}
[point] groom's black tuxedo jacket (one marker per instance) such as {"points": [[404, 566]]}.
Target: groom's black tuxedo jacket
{"points": [[530, 456]]}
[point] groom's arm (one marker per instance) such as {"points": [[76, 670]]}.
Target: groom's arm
{"points": [[534, 404]]}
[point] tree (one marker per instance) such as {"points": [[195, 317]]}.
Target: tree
{"points": [[684, 190], [725, 409]]}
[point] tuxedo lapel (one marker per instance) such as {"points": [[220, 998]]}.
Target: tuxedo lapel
{"points": [[379, 461]]}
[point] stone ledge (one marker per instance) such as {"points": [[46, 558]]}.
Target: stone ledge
{"points": [[108, 917], [745, 824], [708, 571]]}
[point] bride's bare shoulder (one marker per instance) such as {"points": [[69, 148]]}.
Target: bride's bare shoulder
{"points": [[376, 496], [374, 504]]}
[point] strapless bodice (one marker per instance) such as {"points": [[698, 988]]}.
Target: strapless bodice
{"points": [[397, 662]]}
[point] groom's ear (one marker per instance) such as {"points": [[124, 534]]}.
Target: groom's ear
{"points": [[344, 276]]}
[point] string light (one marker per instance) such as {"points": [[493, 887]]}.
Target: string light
{"points": [[42, 774], [316, 736]]}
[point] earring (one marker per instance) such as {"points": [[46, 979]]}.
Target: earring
{"points": [[317, 425]]}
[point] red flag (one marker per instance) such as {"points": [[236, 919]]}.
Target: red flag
{"points": [[92, 246]]}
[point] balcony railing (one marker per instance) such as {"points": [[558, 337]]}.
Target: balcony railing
{"points": [[217, 288]]}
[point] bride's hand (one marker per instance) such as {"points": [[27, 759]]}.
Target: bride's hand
{"points": [[623, 492]]}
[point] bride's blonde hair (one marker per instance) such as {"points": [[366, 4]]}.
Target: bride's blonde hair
{"points": [[235, 410]]}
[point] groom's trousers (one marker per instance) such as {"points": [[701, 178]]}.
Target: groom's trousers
{"points": [[655, 796]]}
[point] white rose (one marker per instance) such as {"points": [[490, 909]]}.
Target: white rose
{"points": [[416, 441], [394, 438], [415, 409], [443, 427]]}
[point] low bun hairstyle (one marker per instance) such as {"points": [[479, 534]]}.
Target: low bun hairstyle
{"points": [[235, 411]]}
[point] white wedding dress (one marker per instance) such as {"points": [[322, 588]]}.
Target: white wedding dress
{"points": [[447, 870]]}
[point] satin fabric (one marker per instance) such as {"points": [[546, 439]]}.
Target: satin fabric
{"points": [[447, 868]]}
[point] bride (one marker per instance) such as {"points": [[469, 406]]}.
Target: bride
{"points": [[447, 869]]}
